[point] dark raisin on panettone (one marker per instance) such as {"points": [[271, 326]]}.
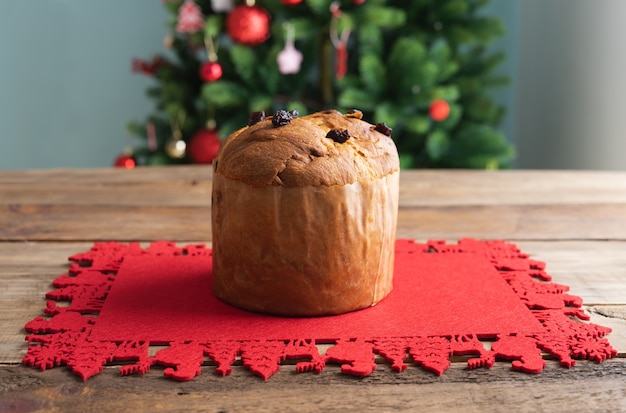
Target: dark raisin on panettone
{"points": [[282, 117], [338, 135], [383, 128], [256, 117]]}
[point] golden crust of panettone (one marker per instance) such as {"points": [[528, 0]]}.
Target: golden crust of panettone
{"points": [[299, 154], [304, 224]]}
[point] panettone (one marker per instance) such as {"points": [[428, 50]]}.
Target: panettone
{"points": [[304, 213]]}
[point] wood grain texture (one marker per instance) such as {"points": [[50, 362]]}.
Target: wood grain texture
{"points": [[49, 222], [584, 388], [174, 203], [575, 221], [595, 270], [515, 187], [26, 274], [419, 187]]}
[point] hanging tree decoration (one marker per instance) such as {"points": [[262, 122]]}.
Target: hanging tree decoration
{"points": [[291, 2], [155, 157], [168, 41], [210, 70], [205, 143], [175, 146], [221, 6], [203, 146], [339, 41], [147, 67], [248, 24], [439, 110], [289, 59], [126, 159], [190, 18], [151, 137]]}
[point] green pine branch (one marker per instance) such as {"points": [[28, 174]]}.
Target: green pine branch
{"points": [[401, 57]]}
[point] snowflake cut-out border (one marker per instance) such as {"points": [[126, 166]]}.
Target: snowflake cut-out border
{"points": [[62, 336]]}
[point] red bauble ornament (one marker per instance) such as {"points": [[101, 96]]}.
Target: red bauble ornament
{"points": [[203, 146], [358, 2], [210, 71], [249, 25], [439, 110], [291, 2], [124, 161]]}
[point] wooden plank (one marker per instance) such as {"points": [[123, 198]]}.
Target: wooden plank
{"points": [[613, 317], [167, 186], [573, 221], [514, 187], [517, 222], [103, 222], [29, 268], [418, 188], [165, 194], [594, 270], [174, 203], [584, 388], [49, 222], [153, 176], [27, 273]]}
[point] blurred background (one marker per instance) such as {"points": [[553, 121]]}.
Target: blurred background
{"points": [[67, 90]]}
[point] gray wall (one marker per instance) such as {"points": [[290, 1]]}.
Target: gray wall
{"points": [[66, 89], [570, 105], [508, 12]]}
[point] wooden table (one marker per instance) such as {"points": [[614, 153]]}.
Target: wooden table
{"points": [[573, 221]]}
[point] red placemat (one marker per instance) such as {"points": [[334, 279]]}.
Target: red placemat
{"points": [[448, 299]]}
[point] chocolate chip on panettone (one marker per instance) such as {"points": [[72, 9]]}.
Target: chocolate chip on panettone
{"points": [[338, 135], [256, 117], [383, 128]]}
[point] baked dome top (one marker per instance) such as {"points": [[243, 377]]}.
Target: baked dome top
{"points": [[312, 150]]}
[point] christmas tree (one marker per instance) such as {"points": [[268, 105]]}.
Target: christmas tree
{"points": [[422, 67]]}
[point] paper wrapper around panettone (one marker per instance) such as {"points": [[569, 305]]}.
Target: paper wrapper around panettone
{"points": [[304, 251]]}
